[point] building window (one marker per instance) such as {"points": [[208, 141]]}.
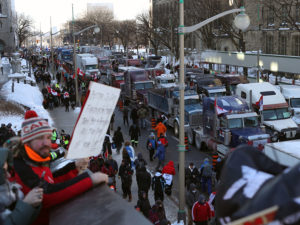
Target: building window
{"points": [[282, 44], [284, 15], [270, 16], [298, 12], [296, 45], [269, 44], [0, 8]]}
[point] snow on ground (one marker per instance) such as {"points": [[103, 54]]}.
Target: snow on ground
{"points": [[15, 120], [27, 95]]}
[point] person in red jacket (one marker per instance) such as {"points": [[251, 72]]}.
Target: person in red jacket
{"points": [[201, 211], [168, 172], [31, 165]]}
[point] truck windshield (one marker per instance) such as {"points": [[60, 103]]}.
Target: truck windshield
{"points": [[276, 114], [191, 101], [251, 121], [216, 94], [141, 86], [167, 81], [295, 102], [119, 78], [90, 67], [235, 123]]}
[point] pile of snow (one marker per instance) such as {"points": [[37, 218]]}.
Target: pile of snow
{"points": [[180, 223], [27, 95]]}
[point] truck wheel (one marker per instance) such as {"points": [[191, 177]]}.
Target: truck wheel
{"points": [[191, 137], [176, 129], [198, 142]]}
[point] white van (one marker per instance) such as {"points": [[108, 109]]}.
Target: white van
{"points": [[275, 115]]}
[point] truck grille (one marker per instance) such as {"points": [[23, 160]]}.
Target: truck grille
{"points": [[195, 119]]}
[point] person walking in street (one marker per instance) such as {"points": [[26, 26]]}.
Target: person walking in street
{"points": [[142, 115], [134, 133], [140, 162], [160, 129], [31, 164], [206, 172], [143, 204], [168, 172], [160, 154], [125, 116], [191, 175], [201, 211], [143, 179], [157, 214], [131, 153], [118, 139], [134, 116], [112, 120], [192, 196], [67, 104], [125, 172], [151, 145], [158, 185]]}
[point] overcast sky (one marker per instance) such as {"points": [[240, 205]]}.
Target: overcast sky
{"points": [[61, 10]]}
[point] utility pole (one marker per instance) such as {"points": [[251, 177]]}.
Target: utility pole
{"points": [[74, 58], [41, 37], [51, 49]]}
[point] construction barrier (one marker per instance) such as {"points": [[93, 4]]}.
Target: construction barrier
{"points": [[153, 123], [186, 143], [215, 157], [120, 105]]}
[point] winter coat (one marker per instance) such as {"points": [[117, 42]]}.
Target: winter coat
{"points": [[192, 197], [59, 186], [134, 115], [151, 144], [139, 162], [131, 154], [160, 153], [125, 172], [169, 168], [134, 132], [142, 113], [160, 129], [158, 183], [201, 212], [10, 195], [191, 175], [144, 205], [143, 179], [118, 137]]}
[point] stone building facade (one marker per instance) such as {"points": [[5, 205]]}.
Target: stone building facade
{"points": [[7, 26], [268, 31]]}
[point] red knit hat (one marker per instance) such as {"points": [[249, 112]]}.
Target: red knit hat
{"points": [[34, 126]]}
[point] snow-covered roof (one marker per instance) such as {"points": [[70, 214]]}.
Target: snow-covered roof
{"points": [[290, 91], [166, 77]]}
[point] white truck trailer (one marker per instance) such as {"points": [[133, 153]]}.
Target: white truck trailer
{"points": [[286, 153], [88, 64]]}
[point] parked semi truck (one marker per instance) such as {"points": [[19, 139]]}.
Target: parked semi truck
{"points": [[88, 64], [136, 85], [286, 153], [275, 114], [291, 94], [230, 81], [227, 123], [166, 101]]}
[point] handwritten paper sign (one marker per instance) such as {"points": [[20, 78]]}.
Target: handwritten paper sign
{"points": [[89, 133]]}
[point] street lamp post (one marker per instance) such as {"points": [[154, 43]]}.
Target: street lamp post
{"points": [[242, 22], [96, 30]]}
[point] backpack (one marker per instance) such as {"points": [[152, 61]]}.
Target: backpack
{"points": [[207, 170]]}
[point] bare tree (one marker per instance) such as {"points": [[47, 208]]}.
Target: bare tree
{"points": [[125, 31], [23, 27]]}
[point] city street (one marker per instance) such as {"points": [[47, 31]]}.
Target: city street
{"points": [[66, 120]]}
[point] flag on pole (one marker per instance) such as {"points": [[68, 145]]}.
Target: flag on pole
{"points": [[219, 110], [260, 103]]}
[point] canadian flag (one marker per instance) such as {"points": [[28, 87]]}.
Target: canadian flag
{"points": [[80, 72], [53, 92], [219, 110], [260, 103]]}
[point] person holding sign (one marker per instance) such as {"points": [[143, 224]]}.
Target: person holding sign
{"points": [[31, 164]]}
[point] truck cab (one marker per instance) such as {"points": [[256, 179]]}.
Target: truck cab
{"points": [[104, 64], [165, 81], [275, 114], [137, 84], [291, 94], [227, 123], [88, 64]]}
